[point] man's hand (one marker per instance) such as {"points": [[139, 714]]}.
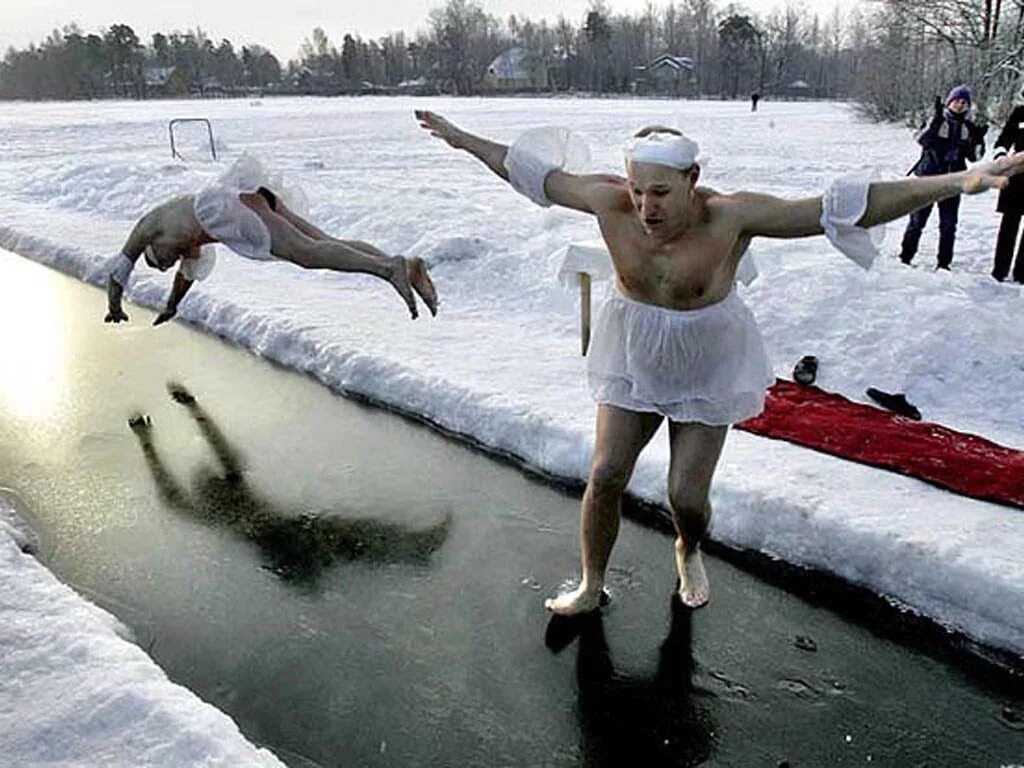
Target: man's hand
{"points": [[994, 175], [140, 423], [939, 106], [114, 312], [439, 127], [179, 394], [115, 315], [164, 316]]}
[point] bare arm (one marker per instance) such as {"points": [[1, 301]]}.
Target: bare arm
{"points": [[586, 193], [488, 152], [178, 291], [889, 200], [770, 216], [142, 234]]}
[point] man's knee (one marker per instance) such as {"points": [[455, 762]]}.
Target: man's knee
{"points": [[608, 477]]}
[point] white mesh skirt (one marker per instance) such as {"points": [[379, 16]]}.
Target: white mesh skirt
{"points": [[705, 365], [229, 221]]}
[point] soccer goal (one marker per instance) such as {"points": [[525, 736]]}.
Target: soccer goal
{"points": [[179, 121]]}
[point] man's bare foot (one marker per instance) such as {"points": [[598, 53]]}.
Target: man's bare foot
{"points": [[577, 601], [179, 394], [400, 280], [422, 283], [139, 423], [694, 590]]}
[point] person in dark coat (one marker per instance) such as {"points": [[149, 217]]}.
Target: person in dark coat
{"points": [[948, 141], [1011, 201]]}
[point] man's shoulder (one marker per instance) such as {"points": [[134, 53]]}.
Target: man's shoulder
{"points": [[611, 192], [723, 202], [727, 208]]}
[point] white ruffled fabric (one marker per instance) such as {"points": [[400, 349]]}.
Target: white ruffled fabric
{"points": [[538, 152], [842, 206], [119, 269], [705, 365], [226, 219]]}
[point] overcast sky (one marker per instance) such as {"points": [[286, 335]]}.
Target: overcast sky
{"points": [[282, 26]]}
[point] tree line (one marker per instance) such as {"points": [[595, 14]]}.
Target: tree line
{"points": [[892, 56]]}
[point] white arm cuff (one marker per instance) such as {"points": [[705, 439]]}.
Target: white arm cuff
{"points": [[121, 269], [538, 152], [526, 174], [842, 206], [199, 268]]}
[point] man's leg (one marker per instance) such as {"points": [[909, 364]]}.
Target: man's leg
{"points": [[1005, 242], [949, 213], [621, 435], [695, 452], [912, 235], [415, 267], [292, 244]]}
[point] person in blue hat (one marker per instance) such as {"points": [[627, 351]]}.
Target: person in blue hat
{"points": [[948, 141]]}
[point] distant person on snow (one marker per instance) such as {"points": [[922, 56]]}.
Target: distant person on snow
{"points": [[243, 214], [1011, 201], [948, 141], [674, 340], [754, 98]]}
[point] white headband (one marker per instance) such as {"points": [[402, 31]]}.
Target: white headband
{"points": [[663, 149]]}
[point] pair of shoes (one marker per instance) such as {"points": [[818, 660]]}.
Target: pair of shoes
{"points": [[806, 370], [942, 266], [897, 403]]}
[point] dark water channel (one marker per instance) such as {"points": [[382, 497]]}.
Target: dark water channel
{"points": [[356, 590]]}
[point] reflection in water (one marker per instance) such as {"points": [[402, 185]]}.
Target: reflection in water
{"points": [[648, 721], [33, 316], [297, 548]]}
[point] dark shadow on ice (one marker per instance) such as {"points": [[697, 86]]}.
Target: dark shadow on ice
{"points": [[632, 720], [295, 547]]}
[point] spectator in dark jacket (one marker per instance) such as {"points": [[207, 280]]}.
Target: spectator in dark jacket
{"points": [[948, 141], [1011, 202]]}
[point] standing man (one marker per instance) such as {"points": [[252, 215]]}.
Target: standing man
{"points": [[947, 142], [1011, 201], [675, 341]]}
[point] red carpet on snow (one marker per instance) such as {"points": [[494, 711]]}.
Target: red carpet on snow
{"points": [[959, 462]]}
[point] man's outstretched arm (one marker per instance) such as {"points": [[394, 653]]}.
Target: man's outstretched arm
{"points": [[178, 291], [891, 199], [770, 216], [586, 193], [142, 234]]}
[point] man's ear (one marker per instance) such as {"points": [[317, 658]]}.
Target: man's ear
{"points": [[694, 174]]}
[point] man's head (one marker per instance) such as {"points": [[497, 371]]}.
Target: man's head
{"points": [[958, 100], [661, 165]]}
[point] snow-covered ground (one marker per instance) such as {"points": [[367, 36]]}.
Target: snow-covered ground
{"points": [[75, 691], [501, 363]]}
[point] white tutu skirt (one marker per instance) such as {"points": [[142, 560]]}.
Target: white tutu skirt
{"points": [[229, 221], [705, 365]]}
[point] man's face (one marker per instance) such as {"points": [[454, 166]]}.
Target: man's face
{"points": [[661, 195], [958, 105]]}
